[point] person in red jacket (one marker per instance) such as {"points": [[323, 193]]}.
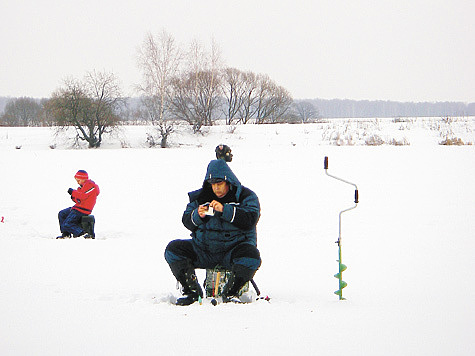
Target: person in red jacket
{"points": [[85, 199]]}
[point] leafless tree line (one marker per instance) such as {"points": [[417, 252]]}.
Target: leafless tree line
{"points": [[253, 97], [192, 86]]}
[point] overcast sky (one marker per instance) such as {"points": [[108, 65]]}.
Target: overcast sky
{"points": [[415, 50]]}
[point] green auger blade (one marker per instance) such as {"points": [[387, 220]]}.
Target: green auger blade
{"points": [[339, 293], [342, 285], [342, 266], [338, 275]]}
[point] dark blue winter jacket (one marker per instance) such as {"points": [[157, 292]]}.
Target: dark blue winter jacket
{"points": [[236, 224]]}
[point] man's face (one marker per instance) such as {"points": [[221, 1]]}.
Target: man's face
{"points": [[80, 181], [220, 189]]}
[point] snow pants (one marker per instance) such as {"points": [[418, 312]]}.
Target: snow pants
{"points": [[243, 254], [70, 221]]}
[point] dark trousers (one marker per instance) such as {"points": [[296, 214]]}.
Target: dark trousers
{"points": [[70, 221], [243, 254]]}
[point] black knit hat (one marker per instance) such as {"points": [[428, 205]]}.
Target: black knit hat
{"points": [[215, 180]]}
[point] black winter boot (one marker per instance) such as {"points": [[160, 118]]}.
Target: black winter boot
{"points": [[239, 277], [185, 274], [85, 235], [64, 235]]}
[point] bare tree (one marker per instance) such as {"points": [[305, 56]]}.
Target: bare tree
{"points": [[233, 91], [197, 90], [89, 106], [196, 57], [273, 101], [69, 105], [183, 107], [196, 98], [281, 102], [212, 81], [104, 90], [264, 105], [151, 109], [305, 110], [207, 95], [250, 97], [159, 59]]}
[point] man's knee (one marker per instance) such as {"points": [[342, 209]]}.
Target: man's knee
{"points": [[64, 213], [178, 250], [178, 247], [246, 255], [246, 250]]}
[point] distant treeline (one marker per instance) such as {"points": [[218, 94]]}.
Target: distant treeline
{"points": [[339, 108], [345, 108]]}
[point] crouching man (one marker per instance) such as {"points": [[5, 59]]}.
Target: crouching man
{"points": [[85, 199], [222, 217]]}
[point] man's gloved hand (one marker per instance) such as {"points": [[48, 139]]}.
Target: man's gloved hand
{"points": [[70, 191]]}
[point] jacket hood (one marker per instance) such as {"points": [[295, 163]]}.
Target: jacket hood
{"points": [[219, 169]]}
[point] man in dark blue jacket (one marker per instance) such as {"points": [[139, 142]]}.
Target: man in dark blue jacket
{"points": [[222, 217]]}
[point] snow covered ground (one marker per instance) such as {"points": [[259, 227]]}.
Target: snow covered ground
{"points": [[409, 245]]}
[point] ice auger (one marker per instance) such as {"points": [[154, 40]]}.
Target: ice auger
{"points": [[341, 266]]}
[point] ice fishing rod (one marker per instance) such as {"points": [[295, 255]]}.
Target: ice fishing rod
{"points": [[341, 266]]}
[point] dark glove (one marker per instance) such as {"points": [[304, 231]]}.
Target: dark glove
{"points": [[70, 191]]}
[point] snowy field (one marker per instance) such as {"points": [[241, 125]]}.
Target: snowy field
{"points": [[409, 245]]}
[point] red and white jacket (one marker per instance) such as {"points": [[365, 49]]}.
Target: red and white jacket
{"points": [[85, 197]]}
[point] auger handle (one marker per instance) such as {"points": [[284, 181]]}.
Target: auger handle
{"points": [[325, 166]]}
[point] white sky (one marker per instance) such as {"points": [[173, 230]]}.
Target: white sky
{"points": [[415, 50]]}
